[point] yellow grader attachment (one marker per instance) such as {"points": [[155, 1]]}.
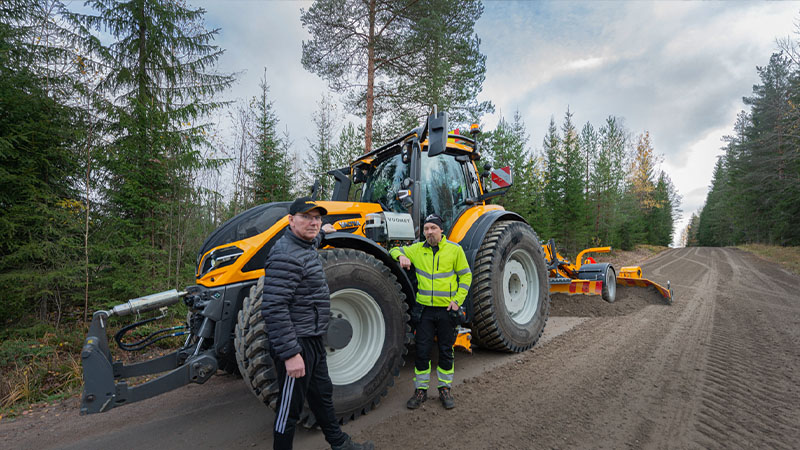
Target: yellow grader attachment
{"points": [[588, 277]]}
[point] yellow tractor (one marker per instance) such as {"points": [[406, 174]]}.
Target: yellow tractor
{"points": [[377, 202]]}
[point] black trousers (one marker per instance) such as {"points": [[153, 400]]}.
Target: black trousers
{"points": [[315, 387], [435, 321]]}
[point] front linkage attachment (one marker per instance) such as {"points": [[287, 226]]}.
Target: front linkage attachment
{"points": [[104, 379], [588, 277]]}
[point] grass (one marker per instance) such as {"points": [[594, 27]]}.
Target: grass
{"points": [[38, 363], [41, 363], [787, 257]]}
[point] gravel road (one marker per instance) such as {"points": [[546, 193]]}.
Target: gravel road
{"points": [[720, 368]]}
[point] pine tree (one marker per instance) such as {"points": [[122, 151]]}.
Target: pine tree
{"points": [[553, 179], [607, 181], [507, 146], [397, 58], [572, 216]]}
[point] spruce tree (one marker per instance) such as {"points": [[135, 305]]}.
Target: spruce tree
{"points": [[163, 82], [320, 159], [271, 177], [40, 210]]}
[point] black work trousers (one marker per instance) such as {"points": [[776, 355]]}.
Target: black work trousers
{"points": [[435, 321], [315, 387]]}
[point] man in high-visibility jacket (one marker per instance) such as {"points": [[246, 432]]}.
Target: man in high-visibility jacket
{"points": [[443, 280]]}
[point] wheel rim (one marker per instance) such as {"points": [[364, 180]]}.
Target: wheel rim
{"points": [[611, 282], [520, 287], [351, 363]]}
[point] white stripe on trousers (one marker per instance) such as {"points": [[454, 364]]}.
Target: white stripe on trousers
{"points": [[286, 400]]}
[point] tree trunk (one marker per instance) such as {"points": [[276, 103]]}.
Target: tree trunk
{"points": [[370, 78]]}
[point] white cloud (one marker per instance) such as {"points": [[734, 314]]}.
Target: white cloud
{"points": [[676, 69]]}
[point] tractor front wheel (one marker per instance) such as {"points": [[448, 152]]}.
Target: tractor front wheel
{"points": [[365, 343], [510, 293]]}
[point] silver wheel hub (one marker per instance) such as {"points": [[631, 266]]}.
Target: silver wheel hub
{"points": [[520, 287], [352, 362]]}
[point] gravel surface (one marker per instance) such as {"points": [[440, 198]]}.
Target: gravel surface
{"points": [[720, 368]]}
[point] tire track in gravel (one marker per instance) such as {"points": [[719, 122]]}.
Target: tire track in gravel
{"points": [[750, 391]]}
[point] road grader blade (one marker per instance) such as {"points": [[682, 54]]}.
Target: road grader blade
{"points": [[588, 277], [632, 276]]}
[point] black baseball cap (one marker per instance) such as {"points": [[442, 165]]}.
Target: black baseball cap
{"points": [[305, 204], [434, 219]]}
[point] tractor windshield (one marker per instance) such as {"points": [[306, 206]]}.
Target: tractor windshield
{"points": [[444, 188], [384, 182]]}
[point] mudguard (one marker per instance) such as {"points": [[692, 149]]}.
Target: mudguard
{"points": [[357, 242]]}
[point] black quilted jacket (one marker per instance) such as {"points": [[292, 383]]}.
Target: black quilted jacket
{"points": [[296, 300]]}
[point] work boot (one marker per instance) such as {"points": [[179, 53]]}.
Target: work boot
{"points": [[350, 445], [420, 395], [446, 397]]}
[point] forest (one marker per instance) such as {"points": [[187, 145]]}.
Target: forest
{"points": [[754, 195], [114, 169]]}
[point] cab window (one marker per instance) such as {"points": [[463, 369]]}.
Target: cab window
{"points": [[444, 188], [383, 183]]}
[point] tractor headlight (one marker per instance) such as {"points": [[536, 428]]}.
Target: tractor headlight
{"points": [[220, 257]]}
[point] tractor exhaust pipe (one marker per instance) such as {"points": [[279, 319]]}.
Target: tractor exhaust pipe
{"points": [[146, 303]]}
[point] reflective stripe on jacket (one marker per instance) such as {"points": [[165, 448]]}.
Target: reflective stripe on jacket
{"points": [[442, 278]]}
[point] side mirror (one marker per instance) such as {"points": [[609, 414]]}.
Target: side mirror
{"points": [[404, 197], [407, 182], [437, 133]]}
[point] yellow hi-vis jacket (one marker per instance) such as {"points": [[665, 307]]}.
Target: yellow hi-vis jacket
{"points": [[441, 278]]}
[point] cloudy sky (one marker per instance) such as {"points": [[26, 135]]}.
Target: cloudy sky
{"points": [[676, 69]]}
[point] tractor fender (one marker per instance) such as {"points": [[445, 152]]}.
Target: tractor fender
{"points": [[595, 271], [474, 238], [357, 242]]}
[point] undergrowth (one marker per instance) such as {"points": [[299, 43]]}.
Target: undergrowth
{"points": [[787, 257], [41, 363]]}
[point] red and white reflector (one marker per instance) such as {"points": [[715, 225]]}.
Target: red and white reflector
{"points": [[501, 178]]}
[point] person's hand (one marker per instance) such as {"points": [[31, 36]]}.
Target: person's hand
{"points": [[295, 366], [405, 263], [453, 306], [328, 228]]}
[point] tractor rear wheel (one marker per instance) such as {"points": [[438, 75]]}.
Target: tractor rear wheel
{"points": [[510, 293], [366, 338]]}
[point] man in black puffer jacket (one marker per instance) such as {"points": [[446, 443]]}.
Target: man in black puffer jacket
{"points": [[296, 308]]}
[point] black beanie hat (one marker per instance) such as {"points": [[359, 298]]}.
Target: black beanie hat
{"points": [[434, 219]]}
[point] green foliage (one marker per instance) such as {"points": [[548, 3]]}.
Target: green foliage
{"points": [[578, 191], [755, 191], [39, 210], [163, 84], [393, 60], [271, 178]]}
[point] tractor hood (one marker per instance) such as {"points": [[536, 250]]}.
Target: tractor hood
{"points": [[247, 224]]}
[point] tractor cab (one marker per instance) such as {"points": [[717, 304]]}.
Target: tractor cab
{"points": [[423, 172]]}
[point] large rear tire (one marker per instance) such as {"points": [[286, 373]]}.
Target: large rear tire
{"points": [[367, 295], [510, 293]]}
